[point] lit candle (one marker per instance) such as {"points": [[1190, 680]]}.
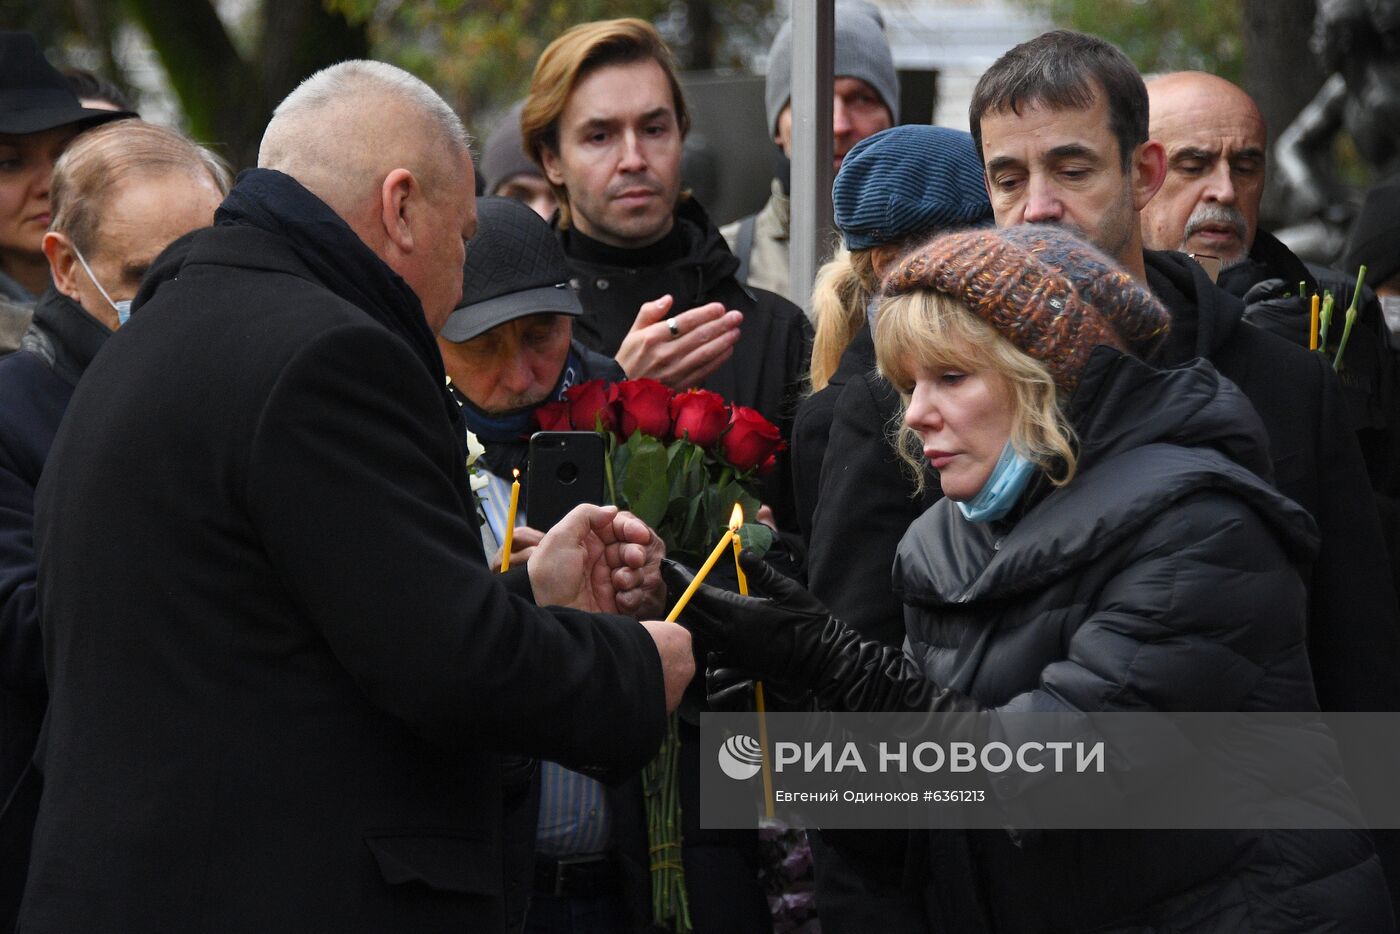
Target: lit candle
{"points": [[700, 575], [510, 520], [1312, 334], [736, 522]]}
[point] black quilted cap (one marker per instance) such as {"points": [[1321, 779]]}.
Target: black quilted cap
{"points": [[515, 267]]}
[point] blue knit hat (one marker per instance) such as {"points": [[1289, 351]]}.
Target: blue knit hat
{"points": [[908, 180]]}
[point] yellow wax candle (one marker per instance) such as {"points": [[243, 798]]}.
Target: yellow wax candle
{"points": [[510, 520], [736, 522], [1316, 318], [700, 576]]}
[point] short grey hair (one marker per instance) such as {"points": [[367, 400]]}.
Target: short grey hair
{"points": [[330, 133], [358, 77]]}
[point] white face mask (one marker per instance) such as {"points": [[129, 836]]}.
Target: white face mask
{"points": [[122, 308], [1390, 308]]}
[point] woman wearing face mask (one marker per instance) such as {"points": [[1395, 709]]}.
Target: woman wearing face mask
{"points": [[1106, 543]]}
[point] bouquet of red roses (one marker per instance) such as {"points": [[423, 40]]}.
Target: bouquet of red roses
{"points": [[678, 460]]}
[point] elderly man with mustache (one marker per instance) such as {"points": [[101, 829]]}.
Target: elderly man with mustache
{"points": [[1216, 146]]}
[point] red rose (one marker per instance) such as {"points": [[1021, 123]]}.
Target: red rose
{"points": [[645, 405], [700, 416], [768, 465], [750, 440], [592, 402], [553, 416]]}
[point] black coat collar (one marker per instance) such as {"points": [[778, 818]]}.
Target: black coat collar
{"points": [[74, 336]]}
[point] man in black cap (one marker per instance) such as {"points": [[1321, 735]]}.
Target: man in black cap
{"points": [[39, 116], [508, 348]]}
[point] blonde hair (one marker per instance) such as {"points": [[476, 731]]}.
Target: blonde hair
{"points": [[840, 295], [571, 58], [100, 160], [931, 329]]}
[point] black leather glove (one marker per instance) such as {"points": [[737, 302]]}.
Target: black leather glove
{"points": [[784, 634], [1274, 305], [734, 690]]}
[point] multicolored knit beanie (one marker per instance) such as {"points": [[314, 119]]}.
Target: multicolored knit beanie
{"points": [[1045, 290]]}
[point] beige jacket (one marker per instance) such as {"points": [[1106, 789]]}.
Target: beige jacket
{"points": [[768, 263]]}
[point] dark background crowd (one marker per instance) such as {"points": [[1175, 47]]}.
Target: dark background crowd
{"points": [[259, 667]]}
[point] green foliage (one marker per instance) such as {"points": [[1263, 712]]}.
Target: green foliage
{"points": [[685, 496], [479, 54], [1162, 35]]}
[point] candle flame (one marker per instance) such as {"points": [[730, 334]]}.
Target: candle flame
{"points": [[736, 518], [515, 473]]}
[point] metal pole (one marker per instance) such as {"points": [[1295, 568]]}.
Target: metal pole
{"points": [[813, 58]]}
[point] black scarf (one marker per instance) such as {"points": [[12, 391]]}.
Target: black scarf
{"points": [[340, 260]]}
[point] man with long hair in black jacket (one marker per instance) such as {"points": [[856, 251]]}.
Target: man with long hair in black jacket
{"points": [[605, 118]]}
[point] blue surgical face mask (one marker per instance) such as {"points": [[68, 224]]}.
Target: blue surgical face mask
{"points": [[1003, 488], [122, 308]]}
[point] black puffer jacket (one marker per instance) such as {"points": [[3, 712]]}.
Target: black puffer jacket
{"points": [[1164, 576], [1353, 627], [1267, 281]]}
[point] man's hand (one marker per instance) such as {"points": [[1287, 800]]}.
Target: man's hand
{"points": [[683, 350], [600, 560], [638, 588], [522, 546], [677, 661]]}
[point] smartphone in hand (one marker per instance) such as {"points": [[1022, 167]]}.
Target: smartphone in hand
{"points": [[566, 468]]}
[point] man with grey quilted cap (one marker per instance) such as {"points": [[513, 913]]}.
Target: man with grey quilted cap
{"points": [[508, 348], [865, 100]]}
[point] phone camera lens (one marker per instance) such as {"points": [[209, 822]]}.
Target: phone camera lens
{"points": [[568, 472]]}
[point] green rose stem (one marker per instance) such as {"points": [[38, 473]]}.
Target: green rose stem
{"points": [[607, 461], [1351, 318], [669, 906], [668, 900], [1325, 321]]}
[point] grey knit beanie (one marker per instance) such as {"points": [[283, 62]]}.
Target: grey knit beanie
{"points": [[862, 51], [503, 156]]}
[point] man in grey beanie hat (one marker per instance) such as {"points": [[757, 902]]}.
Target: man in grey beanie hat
{"points": [[509, 173], [865, 101]]}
